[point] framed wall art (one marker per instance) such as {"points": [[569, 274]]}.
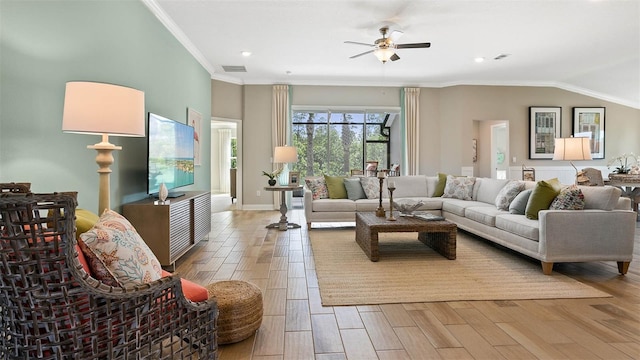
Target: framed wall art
{"points": [[544, 127], [589, 123], [194, 119]]}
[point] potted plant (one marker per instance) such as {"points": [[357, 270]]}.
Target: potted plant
{"points": [[624, 163], [272, 176]]}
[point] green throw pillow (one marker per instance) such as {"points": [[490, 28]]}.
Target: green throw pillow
{"points": [[335, 185], [442, 181], [542, 196]]}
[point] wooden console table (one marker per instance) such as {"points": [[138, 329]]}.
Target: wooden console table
{"points": [[172, 228], [630, 186]]}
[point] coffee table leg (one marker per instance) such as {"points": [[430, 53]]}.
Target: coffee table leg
{"points": [[444, 243], [367, 240]]}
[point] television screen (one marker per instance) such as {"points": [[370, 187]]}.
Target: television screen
{"points": [[170, 154]]}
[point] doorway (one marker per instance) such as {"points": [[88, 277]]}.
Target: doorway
{"points": [[500, 150], [226, 163]]}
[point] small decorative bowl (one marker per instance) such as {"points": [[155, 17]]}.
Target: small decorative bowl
{"points": [[407, 207]]}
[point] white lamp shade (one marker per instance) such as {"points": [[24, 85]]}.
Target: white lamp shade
{"points": [[98, 108], [285, 154], [572, 149]]}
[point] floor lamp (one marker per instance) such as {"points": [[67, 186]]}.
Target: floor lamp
{"points": [[285, 155], [103, 109], [572, 149]]}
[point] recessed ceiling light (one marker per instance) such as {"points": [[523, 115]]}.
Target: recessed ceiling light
{"points": [[478, 59], [246, 53]]}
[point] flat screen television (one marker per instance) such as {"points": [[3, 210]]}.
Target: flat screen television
{"points": [[169, 155]]}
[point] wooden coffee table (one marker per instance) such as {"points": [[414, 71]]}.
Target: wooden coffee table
{"points": [[440, 235]]}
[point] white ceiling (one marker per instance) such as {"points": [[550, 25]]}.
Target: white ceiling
{"points": [[587, 46]]}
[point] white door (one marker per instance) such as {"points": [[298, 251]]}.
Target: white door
{"points": [[500, 151]]}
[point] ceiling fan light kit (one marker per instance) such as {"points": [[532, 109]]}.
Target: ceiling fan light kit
{"points": [[385, 47]]}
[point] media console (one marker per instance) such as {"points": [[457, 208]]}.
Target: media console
{"points": [[171, 229]]}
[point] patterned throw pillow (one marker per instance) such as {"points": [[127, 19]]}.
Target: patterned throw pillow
{"points": [[318, 188], [117, 254], [371, 186], [570, 198], [508, 193], [459, 187]]}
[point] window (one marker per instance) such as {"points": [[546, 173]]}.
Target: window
{"points": [[335, 142], [234, 153]]}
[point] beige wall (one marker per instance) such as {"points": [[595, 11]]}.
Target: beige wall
{"points": [[449, 120], [256, 144], [226, 100]]}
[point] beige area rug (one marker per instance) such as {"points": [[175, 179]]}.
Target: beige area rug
{"points": [[409, 271]]}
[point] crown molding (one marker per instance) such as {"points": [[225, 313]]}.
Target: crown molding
{"points": [[173, 28]]}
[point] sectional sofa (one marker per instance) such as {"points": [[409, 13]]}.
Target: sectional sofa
{"points": [[603, 231]]}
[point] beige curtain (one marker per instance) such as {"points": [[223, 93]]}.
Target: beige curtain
{"points": [[280, 120], [224, 158], [412, 121]]}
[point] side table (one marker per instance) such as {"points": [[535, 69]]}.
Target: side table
{"points": [[283, 225]]}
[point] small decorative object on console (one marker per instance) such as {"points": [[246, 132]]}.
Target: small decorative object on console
{"points": [[625, 163], [163, 192]]}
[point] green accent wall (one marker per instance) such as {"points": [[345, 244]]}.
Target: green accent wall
{"points": [[44, 44]]}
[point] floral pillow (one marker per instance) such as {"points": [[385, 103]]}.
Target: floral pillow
{"points": [[371, 186], [508, 193], [117, 255], [459, 187], [570, 198], [318, 188]]}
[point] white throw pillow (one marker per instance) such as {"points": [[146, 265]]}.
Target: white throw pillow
{"points": [[507, 194], [459, 187]]}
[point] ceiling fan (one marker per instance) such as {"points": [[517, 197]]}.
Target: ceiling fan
{"points": [[385, 48]]}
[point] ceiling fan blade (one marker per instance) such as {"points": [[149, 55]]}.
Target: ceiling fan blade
{"points": [[358, 43], [358, 55], [395, 35], [394, 57], [413, 46]]}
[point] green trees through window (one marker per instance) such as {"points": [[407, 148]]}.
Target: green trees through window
{"points": [[333, 143]]}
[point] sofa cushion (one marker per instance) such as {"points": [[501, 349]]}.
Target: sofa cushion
{"points": [[486, 190], [371, 186], [600, 197], [484, 214], [410, 186], [459, 187], [354, 189], [442, 182], [371, 204], [519, 203], [519, 225], [318, 188], [508, 193], [333, 205], [542, 196], [457, 206], [335, 187], [117, 254], [570, 198]]}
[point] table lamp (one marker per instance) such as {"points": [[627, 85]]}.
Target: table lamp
{"points": [[103, 109], [285, 155], [572, 149]]}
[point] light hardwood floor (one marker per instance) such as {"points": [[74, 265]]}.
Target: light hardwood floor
{"points": [[297, 326]]}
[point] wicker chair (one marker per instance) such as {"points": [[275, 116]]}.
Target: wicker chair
{"points": [[52, 309]]}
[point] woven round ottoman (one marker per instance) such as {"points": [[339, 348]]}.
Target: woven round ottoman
{"points": [[240, 306]]}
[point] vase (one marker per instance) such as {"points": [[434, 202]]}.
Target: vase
{"points": [[272, 182], [163, 192]]}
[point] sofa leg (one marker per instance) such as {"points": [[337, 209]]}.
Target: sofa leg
{"points": [[308, 226], [623, 267], [547, 267]]}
